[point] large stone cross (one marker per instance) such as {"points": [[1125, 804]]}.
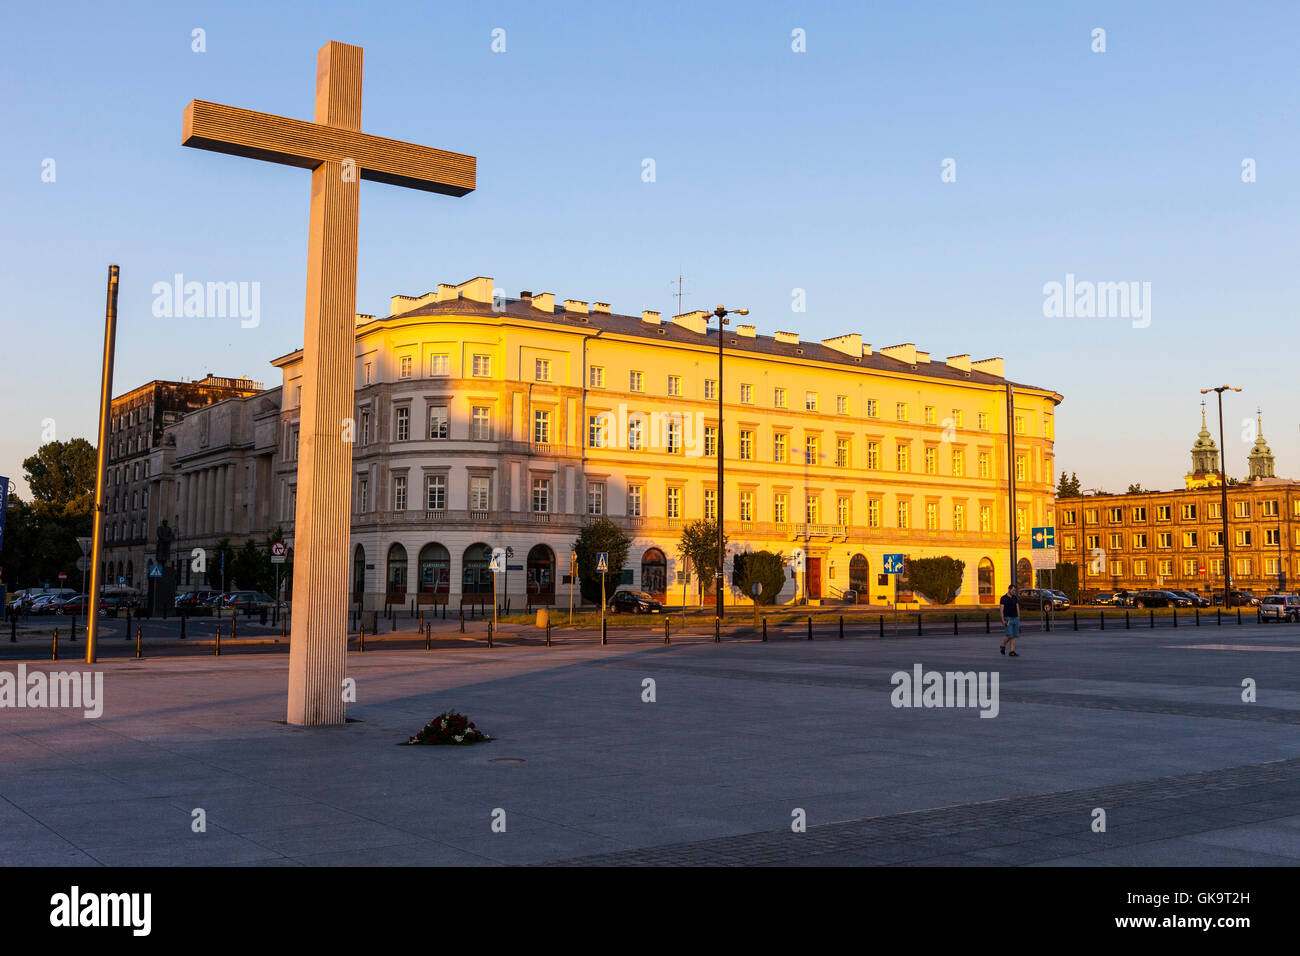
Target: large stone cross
{"points": [[338, 154]]}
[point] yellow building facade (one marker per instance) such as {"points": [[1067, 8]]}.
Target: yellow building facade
{"points": [[484, 421]]}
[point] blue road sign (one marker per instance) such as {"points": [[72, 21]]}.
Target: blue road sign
{"points": [[1043, 537], [121, 579], [155, 570], [893, 564], [602, 562]]}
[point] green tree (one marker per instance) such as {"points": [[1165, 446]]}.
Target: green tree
{"points": [[286, 569], [595, 537], [699, 546], [1069, 487], [223, 550], [1066, 578], [249, 567], [763, 568], [41, 534], [938, 579], [1136, 489], [63, 473]]}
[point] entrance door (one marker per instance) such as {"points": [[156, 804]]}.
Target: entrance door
{"points": [[814, 578]]}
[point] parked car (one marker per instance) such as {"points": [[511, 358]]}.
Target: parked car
{"points": [[45, 603], [193, 599], [247, 601], [1108, 599], [1062, 595], [1236, 599], [77, 604], [1038, 599], [635, 602], [1159, 598], [1280, 607], [1198, 600]]}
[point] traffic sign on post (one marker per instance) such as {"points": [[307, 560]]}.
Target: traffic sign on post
{"points": [[277, 552], [798, 560], [63, 575], [893, 564], [498, 563], [1043, 537], [155, 570], [602, 562]]}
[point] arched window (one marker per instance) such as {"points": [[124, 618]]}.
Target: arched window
{"points": [[1024, 573], [541, 575], [435, 574], [476, 576], [654, 573], [358, 573], [985, 578], [396, 576], [860, 576]]}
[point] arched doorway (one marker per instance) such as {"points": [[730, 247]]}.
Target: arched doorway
{"points": [[860, 577], [396, 576], [1024, 573], [435, 574], [654, 573], [987, 592], [358, 574], [476, 575], [541, 575]]}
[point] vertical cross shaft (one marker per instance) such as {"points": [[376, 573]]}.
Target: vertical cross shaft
{"points": [[322, 525]]}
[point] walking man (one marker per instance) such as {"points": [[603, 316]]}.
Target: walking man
{"points": [[1009, 608]]}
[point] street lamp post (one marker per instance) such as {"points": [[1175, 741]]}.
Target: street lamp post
{"points": [[721, 312], [1223, 487]]}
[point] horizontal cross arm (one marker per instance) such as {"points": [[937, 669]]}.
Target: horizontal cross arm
{"points": [[278, 139]]}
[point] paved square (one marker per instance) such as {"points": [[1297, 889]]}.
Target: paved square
{"points": [[1148, 726]]}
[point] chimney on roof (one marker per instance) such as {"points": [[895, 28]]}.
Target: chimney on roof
{"points": [[400, 304], [601, 308], [922, 358], [850, 344], [544, 302], [903, 353], [789, 337], [866, 348], [649, 318], [362, 318], [447, 292], [960, 362], [697, 322], [746, 331], [575, 305], [525, 296], [990, 366], [478, 289]]}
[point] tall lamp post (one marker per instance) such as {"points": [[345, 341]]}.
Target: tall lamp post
{"points": [[1223, 487], [721, 312]]}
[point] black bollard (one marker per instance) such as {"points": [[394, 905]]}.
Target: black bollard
{"points": [[1198, 617], [1238, 615], [666, 641], [810, 627], [1076, 620], [987, 622], [1175, 617], [604, 632], [918, 623], [217, 651], [1153, 618], [717, 630], [1102, 618], [183, 616], [361, 639], [764, 630], [394, 622], [13, 628], [428, 635], [139, 642], [490, 628], [882, 625], [954, 623], [1218, 616], [462, 619], [841, 627]]}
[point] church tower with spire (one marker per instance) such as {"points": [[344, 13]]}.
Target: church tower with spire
{"points": [[1261, 456], [1205, 459]]}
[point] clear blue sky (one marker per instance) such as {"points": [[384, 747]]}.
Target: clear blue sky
{"points": [[776, 170]]}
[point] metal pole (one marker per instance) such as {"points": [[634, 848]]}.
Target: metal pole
{"points": [[101, 466], [1011, 480], [722, 321], [1223, 507]]}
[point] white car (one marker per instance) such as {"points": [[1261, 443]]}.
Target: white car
{"points": [[1280, 607]]}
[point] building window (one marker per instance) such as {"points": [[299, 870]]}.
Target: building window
{"points": [[710, 503], [365, 428], [1243, 539], [982, 421], [635, 431], [1140, 512], [958, 418], [873, 410], [1021, 468], [674, 503], [674, 385], [1116, 541], [930, 415], [1214, 539], [635, 382], [746, 445], [541, 427], [813, 509], [480, 423], [674, 435], [1269, 508], [873, 456], [710, 441], [1163, 513], [596, 431], [480, 493], [873, 513], [931, 461], [1271, 537], [1214, 509], [900, 411], [958, 517], [1189, 539], [363, 495], [1241, 509], [931, 516], [780, 507], [778, 446], [597, 376], [746, 394], [403, 423], [439, 427], [810, 402], [958, 463], [435, 492], [1189, 512], [404, 367], [841, 404], [482, 366], [985, 465], [1022, 524], [596, 498], [746, 506], [292, 451], [1140, 540], [778, 398], [841, 453], [439, 365], [1243, 567], [635, 493], [903, 461], [710, 388], [541, 495], [1116, 515], [904, 515], [369, 373], [399, 493], [812, 449], [843, 511]]}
